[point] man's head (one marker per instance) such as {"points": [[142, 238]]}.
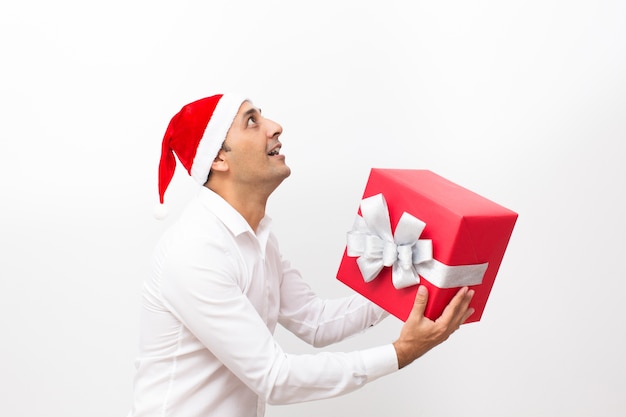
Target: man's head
{"points": [[250, 157], [224, 133]]}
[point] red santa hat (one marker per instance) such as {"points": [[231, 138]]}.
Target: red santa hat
{"points": [[195, 134]]}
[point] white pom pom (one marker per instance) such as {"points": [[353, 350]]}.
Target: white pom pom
{"points": [[160, 211]]}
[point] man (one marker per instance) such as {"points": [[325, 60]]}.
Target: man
{"points": [[219, 287]]}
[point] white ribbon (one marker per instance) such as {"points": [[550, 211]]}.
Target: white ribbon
{"points": [[372, 241]]}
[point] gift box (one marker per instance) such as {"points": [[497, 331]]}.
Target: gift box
{"points": [[416, 227]]}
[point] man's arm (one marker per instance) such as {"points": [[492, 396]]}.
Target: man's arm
{"points": [[203, 295], [420, 334], [320, 321]]}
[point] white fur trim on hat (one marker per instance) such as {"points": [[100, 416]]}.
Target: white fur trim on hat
{"points": [[214, 135]]}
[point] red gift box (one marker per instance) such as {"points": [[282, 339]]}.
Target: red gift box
{"points": [[415, 226]]}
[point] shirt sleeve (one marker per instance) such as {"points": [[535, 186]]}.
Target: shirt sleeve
{"points": [[321, 322], [205, 297]]}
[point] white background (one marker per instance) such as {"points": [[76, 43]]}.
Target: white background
{"points": [[522, 102]]}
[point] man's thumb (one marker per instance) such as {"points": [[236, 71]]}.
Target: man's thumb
{"points": [[421, 299]]}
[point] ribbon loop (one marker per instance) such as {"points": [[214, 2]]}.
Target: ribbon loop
{"points": [[371, 240]]}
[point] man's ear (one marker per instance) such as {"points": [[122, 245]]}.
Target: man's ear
{"points": [[219, 163]]}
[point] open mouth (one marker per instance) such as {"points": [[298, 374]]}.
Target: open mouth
{"points": [[275, 151]]}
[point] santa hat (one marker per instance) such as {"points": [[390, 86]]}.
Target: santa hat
{"points": [[195, 134]]}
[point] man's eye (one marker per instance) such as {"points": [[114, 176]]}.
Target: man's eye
{"points": [[251, 121]]}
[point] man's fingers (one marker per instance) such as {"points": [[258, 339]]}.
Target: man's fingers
{"points": [[458, 306], [467, 315]]}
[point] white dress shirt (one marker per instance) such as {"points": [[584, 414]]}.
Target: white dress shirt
{"points": [[209, 311]]}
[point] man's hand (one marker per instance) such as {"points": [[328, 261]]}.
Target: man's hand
{"points": [[420, 334]]}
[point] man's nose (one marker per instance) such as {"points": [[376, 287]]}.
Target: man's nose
{"points": [[274, 130]]}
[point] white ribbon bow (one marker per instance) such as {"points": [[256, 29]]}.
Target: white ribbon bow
{"points": [[372, 241]]}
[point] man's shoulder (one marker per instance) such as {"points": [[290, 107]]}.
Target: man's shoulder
{"points": [[197, 221]]}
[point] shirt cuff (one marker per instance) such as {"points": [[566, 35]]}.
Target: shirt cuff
{"points": [[379, 361]]}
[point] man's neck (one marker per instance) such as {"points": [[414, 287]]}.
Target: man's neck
{"points": [[249, 203]]}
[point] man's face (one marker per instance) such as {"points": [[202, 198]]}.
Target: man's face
{"points": [[253, 149]]}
